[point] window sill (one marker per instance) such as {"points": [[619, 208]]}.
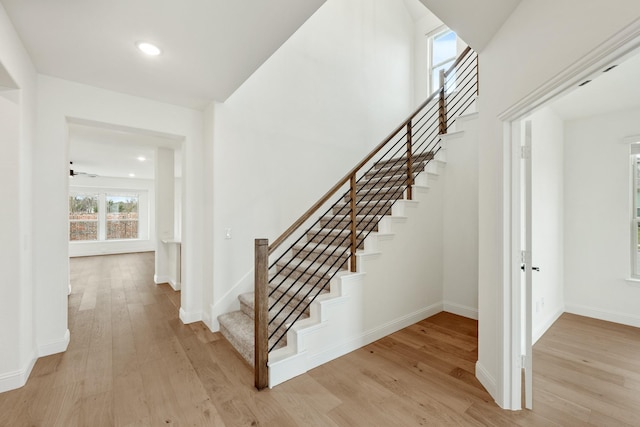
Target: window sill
{"points": [[633, 281]]}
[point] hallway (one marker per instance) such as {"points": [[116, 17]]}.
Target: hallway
{"points": [[132, 362]]}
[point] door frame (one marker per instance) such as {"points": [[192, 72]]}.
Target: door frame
{"points": [[616, 48]]}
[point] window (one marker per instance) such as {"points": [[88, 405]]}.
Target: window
{"points": [[83, 217], [122, 216], [635, 211], [106, 216], [442, 54]]}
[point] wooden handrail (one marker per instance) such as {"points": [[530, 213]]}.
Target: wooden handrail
{"points": [[458, 60]]}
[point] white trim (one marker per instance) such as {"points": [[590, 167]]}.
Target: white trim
{"points": [[190, 317], [507, 395], [161, 279], [609, 316], [620, 44], [544, 327], [633, 281], [55, 347], [229, 301], [631, 139], [16, 379], [485, 378], [174, 284], [460, 310], [297, 364], [372, 335]]}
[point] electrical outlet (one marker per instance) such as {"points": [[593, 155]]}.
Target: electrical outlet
{"points": [[227, 233]]}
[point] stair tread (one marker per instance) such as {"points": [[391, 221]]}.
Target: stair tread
{"points": [[248, 299], [311, 267], [295, 289], [238, 329]]}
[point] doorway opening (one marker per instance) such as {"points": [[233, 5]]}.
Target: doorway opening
{"points": [[579, 205]]}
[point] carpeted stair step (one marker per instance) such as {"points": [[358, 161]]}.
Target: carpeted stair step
{"points": [[278, 313], [333, 237], [289, 291], [307, 271], [318, 252], [238, 329], [343, 222], [393, 162], [394, 170], [380, 194], [365, 207]]}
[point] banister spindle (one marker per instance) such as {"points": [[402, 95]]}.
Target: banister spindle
{"points": [[261, 318], [409, 162], [352, 228], [442, 107]]}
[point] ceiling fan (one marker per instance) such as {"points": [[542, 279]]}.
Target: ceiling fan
{"points": [[73, 173]]}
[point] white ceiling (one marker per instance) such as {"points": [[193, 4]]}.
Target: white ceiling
{"points": [[608, 92], [475, 22], [210, 46], [114, 153]]}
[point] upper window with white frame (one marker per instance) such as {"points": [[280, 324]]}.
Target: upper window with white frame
{"points": [[635, 210], [442, 54]]}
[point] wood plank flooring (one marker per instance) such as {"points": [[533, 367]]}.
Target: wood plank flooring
{"points": [[131, 362]]}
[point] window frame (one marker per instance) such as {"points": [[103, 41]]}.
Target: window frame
{"points": [[102, 193], [92, 194], [431, 83], [635, 217]]}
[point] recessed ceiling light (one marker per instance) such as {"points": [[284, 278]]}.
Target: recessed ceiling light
{"points": [[149, 48], [141, 158], [584, 83], [132, 175]]}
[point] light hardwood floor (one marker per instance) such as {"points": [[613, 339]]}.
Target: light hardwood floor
{"points": [[131, 362]]}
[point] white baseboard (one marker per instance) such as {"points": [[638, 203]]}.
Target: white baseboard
{"points": [[460, 310], [609, 316], [206, 319], [372, 335], [16, 379], [190, 317], [229, 301], [55, 347], [487, 381], [161, 279], [544, 326], [174, 285]]}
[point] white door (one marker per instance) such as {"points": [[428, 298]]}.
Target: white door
{"points": [[526, 267]]}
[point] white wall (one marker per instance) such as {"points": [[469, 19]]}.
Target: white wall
{"points": [[59, 101], [460, 225], [334, 90], [164, 211], [146, 215], [17, 125], [597, 218], [539, 40], [547, 216], [399, 283]]}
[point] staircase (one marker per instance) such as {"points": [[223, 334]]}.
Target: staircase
{"points": [[321, 257], [300, 285]]}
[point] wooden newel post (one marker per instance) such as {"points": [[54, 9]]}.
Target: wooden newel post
{"points": [[409, 161], [353, 229], [442, 107], [261, 318]]}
